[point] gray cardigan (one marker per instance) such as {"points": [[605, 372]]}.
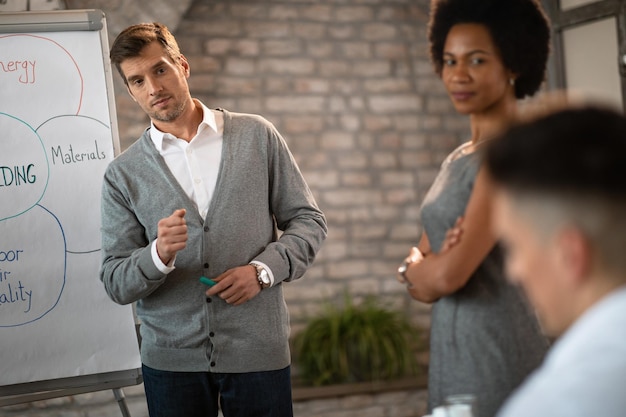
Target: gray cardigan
{"points": [[259, 190]]}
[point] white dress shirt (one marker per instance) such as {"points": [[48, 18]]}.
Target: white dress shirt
{"points": [[584, 374], [195, 164]]}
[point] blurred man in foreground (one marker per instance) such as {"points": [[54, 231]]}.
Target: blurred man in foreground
{"points": [[561, 214]]}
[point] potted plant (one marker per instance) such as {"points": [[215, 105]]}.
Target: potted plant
{"points": [[356, 343]]}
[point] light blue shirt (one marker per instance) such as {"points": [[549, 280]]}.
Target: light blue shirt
{"points": [[584, 374]]}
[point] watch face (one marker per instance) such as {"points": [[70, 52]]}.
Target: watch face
{"points": [[264, 277]]}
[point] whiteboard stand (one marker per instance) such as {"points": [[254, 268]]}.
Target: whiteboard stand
{"points": [[121, 400], [44, 390]]}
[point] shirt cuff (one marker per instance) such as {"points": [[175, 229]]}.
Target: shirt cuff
{"points": [[166, 269], [269, 271]]}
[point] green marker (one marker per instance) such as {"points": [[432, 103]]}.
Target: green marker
{"points": [[207, 281]]}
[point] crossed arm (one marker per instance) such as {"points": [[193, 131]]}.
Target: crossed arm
{"points": [[467, 243]]}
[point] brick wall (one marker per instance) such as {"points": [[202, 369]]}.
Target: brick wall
{"points": [[349, 85]]}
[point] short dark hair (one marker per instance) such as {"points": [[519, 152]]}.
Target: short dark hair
{"points": [[519, 28], [131, 41], [577, 151]]}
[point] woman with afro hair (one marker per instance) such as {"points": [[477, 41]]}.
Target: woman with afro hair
{"points": [[485, 338]]}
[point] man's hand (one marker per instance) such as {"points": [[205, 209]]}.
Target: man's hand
{"points": [[171, 236], [237, 285]]}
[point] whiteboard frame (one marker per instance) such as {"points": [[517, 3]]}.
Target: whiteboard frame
{"points": [[68, 21], [65, 21]]}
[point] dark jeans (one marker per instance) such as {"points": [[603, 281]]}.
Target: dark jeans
{"points": [[197, 394]]}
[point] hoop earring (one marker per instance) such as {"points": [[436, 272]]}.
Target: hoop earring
{"points": [[512, 81]]}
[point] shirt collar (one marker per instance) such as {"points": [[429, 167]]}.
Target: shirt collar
{"points": [[208, 120]]}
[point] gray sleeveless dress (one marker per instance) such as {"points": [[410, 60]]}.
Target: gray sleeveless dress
{"points": [[484, 339]]}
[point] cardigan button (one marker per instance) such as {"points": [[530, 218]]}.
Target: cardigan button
{"points": [[208, 300], [206, 228], [212, 364]]}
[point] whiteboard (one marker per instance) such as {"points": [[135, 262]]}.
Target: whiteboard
{"points": [[58, 134]]}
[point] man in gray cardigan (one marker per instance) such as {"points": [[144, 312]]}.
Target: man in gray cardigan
{"points": [[203, 193]]}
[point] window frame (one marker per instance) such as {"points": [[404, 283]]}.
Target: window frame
{"points": [[588, 13]]}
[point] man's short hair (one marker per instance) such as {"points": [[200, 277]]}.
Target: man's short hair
{"points": [[132, 40], [582, 150], [575, 162]]}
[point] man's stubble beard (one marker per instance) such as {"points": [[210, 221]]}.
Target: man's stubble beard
{"points": [[168, 116]]}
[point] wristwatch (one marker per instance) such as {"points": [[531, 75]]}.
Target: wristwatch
{"points": [[404, 266], [415, 256], [262, 276]]}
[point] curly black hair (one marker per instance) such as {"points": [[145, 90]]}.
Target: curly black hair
{"points": [[519, 28]]}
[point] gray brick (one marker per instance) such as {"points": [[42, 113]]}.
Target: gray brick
{"points": [[311, 86], [341, 32], [317, 13], [309, 31], [371, 68], [282, 47], [237, 86], [395, 103], [352, 14], [337, 140], [388, 85], [298, 66], [256, 29], [294, 104], [379, 31]]}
